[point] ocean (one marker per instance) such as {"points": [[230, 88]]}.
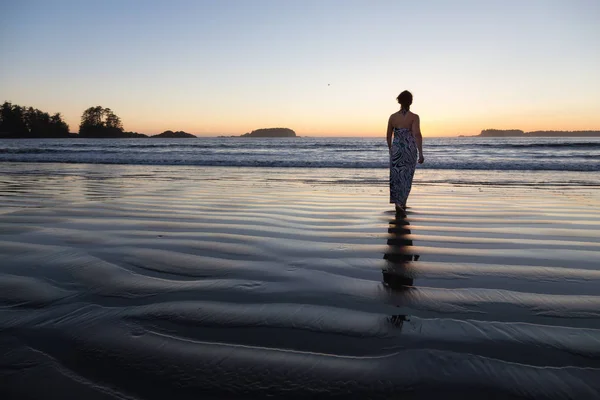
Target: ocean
{"points": [[467, 160], [537, 154]]}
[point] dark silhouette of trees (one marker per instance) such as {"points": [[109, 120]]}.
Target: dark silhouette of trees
{"points": [[22, 122], [12, 121], [59, 126], [99, 122]]}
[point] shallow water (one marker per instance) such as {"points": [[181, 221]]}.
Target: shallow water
{"points": [[182, 282]]}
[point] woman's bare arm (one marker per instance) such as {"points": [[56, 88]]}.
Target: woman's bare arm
{"points": [[416, 131], [389, 133]]}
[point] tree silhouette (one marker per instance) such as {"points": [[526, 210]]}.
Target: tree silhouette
{"points": [[23, 122], [58, 127], [99, 122], [112, 121]]}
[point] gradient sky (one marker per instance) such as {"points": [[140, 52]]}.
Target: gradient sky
{"points": [[323, 67]]}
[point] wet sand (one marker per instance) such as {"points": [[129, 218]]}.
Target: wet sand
{"points": [[177, 282]]}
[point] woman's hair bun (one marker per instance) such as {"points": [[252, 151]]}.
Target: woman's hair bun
{"points": [[405, 99]]}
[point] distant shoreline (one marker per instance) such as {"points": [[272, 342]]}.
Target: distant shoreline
{"points": [[519, 133]]}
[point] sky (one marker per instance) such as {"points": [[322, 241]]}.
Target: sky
{"points": [[319, 67]]}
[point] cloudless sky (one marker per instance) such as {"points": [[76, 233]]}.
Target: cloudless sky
{"points": [[320, 67]]}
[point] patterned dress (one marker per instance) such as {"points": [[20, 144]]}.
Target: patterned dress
{"points": [[403, 159]]}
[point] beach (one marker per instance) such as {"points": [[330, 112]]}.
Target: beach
{"points": [[153, 282]]}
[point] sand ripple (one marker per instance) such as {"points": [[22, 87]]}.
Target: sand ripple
{"points": [[296, 290]]}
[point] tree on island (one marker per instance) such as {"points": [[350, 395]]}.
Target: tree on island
{"points": [[29, 122], [99, 122]]}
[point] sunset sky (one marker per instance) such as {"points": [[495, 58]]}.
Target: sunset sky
{"points": [[322, 67]]}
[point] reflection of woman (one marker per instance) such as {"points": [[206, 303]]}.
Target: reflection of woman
{"points": [[405, 128], [397, 275]]}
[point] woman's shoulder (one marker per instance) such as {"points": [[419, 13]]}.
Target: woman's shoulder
{"points": [[410, 114], [397, 115]]}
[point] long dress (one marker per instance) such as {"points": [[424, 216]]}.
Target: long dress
{"points": [[403, 160]]}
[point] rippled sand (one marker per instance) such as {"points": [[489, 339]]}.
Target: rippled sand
{"points": [[177, 282]]}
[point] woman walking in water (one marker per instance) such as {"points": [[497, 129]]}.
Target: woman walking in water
{"points": [[405, 128]]}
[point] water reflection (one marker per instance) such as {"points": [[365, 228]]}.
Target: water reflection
{"points": [[398, 272], [23, 185], [102, 182]]}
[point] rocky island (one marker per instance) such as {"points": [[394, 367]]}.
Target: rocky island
{"points": [[271, 132], [174, 135]]}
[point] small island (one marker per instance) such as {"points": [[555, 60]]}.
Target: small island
{"points": [[520, 133], [270, 133], [174, 135]]}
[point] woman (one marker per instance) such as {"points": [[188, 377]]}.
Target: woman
{"points": [[406, 130]]}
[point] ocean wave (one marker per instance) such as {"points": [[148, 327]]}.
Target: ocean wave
{"points": [[127, 159], [316, 144], [478, 154]]}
